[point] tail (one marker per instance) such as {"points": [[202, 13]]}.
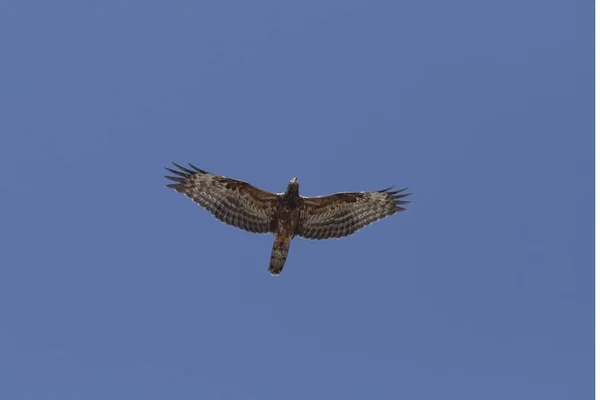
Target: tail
{"points": [[279, 254]]}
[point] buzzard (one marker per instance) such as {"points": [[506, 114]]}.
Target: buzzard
{"points": [[287, 214]]}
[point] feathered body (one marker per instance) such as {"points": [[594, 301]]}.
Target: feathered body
{"points": [[287, 214]]}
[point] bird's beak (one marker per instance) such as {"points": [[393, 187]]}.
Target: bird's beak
{"points": [[295, 180]]}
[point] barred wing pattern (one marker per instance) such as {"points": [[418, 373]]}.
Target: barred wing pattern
{"points": [[342, 214], [234, 202]]}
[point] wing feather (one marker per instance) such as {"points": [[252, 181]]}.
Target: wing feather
{"points": [[232, 201], [342, 214]]}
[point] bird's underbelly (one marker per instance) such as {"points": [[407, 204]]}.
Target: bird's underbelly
{"points": [[286, 223]]}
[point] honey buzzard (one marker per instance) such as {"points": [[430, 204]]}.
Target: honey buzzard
{"points": [[287, 214]]}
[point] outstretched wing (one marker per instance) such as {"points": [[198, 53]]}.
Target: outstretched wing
{"points": [[342, 214], [234, 202]]}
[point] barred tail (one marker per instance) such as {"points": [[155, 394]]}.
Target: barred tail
{"points": [[279, 254]]}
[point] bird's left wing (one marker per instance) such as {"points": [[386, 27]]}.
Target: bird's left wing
{"points": [[342, 214], [234, 202]]}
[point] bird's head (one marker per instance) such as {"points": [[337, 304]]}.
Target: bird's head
{"points": [[293, 186]]}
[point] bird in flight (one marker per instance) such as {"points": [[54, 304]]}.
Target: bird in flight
{"points": [[287, 214]]}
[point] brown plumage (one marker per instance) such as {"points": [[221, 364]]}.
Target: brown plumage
{"points": [[287, 214]]}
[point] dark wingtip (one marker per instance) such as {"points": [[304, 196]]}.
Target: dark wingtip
{"points": [[174, 178], [396, 195], [397, 191], [196, 168], [189, 171], [400, 196], [176, 172]]}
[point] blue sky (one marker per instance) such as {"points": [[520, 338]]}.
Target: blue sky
{"points": [[112, 286]]}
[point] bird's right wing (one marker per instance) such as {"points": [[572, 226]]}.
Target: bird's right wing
{"points": [[342, 214], [234, 202]]}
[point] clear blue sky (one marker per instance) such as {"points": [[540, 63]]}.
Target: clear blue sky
{"points": [[113, 287]]}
